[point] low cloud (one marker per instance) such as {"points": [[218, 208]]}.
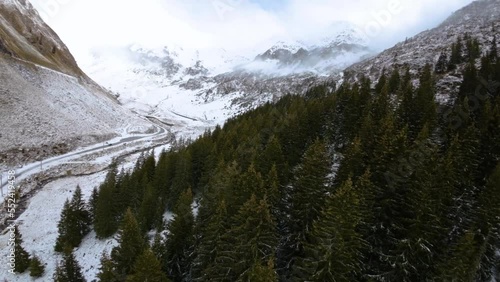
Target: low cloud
{"points": [[233, 24]]}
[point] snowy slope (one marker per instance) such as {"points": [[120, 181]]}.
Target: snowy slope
{"points": [[202, 88], [480, 19], [189, 89], [48, 106], [38, 226]]}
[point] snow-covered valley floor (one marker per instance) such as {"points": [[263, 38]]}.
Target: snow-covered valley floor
{"points": [[38, 222], [38, 226]]}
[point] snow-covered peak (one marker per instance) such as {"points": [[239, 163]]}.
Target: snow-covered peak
{"points": [[340, 33], [293, 46], [323, 55]]}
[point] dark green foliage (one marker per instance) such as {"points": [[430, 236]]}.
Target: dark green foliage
{"points": [[493, 53], [68, 270], [347, 183], [489, 226], [131, 245], [441, 64], [307, 198], [147, 268], [273, 190], [210, 240], [310, 186], [22, 257], [456, 54], [146, 211], [425, 108], [464, 260], [262, 272], [251, 240], [394, 81], [37, 268], [182, 178], [74, 223], [178, 246], [333, 252], [105, 214], [93, 203], [107, 271], [473, 50]]}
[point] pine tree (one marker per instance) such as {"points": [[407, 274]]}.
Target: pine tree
{"points": [[334, 251], [74, 223], [489, 222], [394, 81], [424, 103], [464, 261], [469, 82], [107, 271], [93, 203], [21, 255], [63, 227], [81, 213], [273, 155], [273, 191], [306, 201], [422, 227], [456, 54], [182, 178], [248, 184], [59, 275], [105, 217], [382, 81], [147, 268], [180, 240], [149, 166], [130, 245], [262, 273], [473, 49], [68, 270], [147, 209], [441, 64], [353, 163], [210, 241], [405, 112], [255, 236], [251, 240], [310, 186], [36, 267], [493, 54]]}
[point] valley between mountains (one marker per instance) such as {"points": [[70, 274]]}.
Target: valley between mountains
{"points": [[308, 160]]}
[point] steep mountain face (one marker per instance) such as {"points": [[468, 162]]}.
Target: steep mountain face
{"points": [[48, 105], [328, 55], [25, 36], [480, 19], [205, 87]]}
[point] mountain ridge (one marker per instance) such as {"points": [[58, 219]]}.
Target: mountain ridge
{"points": [[49, 106]]}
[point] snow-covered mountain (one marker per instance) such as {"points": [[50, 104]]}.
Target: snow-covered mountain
{"points": [[205, 87], [480, 19], [328, 54], [47, 104]]}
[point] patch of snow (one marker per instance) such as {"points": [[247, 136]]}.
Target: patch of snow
{"points": [[38, 226]]}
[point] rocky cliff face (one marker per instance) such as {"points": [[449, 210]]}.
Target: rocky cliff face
{"points": [[480, 19], [47, 104], [25, 36]]}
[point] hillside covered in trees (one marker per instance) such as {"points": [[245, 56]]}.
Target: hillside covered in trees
{"points": [[351, 182]]}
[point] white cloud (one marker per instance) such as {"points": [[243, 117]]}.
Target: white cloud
{"points": [[233, 24]]}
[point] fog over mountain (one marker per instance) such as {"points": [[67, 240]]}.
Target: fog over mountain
{"points": [[244, 25], [250, 140]]}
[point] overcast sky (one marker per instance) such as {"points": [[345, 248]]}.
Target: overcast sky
{"points": [[233, 24]]}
